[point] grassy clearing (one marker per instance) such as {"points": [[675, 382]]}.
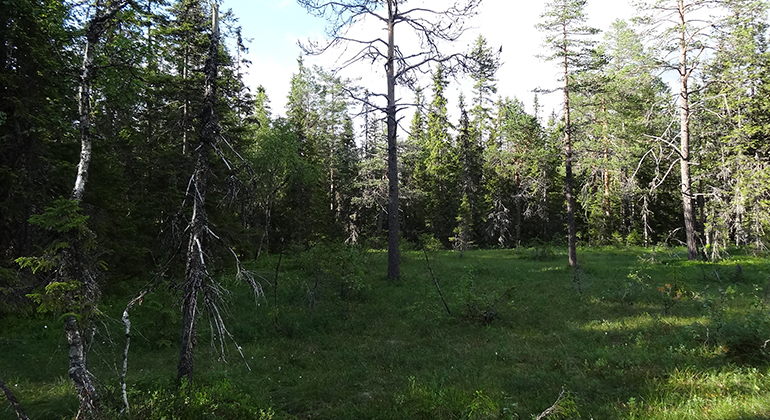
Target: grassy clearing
{"points": [[650, 336]]}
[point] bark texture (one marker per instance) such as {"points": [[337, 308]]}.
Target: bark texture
{"points": [[684, 140], [14, 402], [568, 176], [394, 271], [89, 398], [78, 370]]}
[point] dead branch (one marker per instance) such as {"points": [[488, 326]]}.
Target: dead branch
{"points": [[554, 408], [436, 282], [138, 299], [275, 288]]}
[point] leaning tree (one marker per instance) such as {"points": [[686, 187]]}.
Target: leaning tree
{"points": [[432, 27]]}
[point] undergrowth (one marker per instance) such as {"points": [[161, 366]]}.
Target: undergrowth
{"points": [[643, 336]]}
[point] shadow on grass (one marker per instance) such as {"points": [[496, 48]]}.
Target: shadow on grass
{"points": [[345, 343]]}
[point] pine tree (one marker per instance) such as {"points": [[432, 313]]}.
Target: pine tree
{"points": [[433, 27], [566, 38], [683, 35]]}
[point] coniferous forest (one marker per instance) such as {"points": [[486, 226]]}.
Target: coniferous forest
{"points": [[137, 167]]}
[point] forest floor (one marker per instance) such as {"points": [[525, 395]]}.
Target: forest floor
{"points": [[635, 334]]}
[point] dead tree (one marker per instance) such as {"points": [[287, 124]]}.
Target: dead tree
{"points": [[432, 27], [680, 30], [199, 287], [196, 273]]}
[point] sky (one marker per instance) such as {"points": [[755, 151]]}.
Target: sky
{"points": [[275, 26]]}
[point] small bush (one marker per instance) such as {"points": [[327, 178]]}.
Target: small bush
{"points": [[635, 288], [541, 251], [339, 267], [196, 402], [746, 340], [480, 306]]}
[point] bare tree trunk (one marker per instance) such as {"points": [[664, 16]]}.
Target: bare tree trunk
{"points": [[645, 220], [568, 178], [195, 271], [265, 233], [606, 155], [684, 161], [14, 402], [89, 398], [518, 204], [394, 271], [127, 323], [185, 106]]}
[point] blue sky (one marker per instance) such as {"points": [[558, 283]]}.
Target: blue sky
{"points": [[275, 26]]}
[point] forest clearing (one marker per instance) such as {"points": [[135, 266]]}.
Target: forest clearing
{"points": [[637, 335], [172, 247]]}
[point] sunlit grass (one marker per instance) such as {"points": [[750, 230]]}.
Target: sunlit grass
{"points": [[644, 321], [730, 392], [352, 346]]}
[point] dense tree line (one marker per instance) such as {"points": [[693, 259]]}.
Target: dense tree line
{"points": [[133, 82]]}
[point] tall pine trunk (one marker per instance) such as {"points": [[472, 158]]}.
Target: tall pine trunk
{"points": [[568, 177], [684, 146], [394, 271]]}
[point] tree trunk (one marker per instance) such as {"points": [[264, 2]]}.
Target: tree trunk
{"points": [[78, 372], [195, 272], [606, 156], [568, 178], [93, 32], [684, 122], [518, 209], [14, 402], [265, 233], [393, 224], [186, 104], [78, 368]]}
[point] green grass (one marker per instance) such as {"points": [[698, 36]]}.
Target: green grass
{"points": [[650, 336]]}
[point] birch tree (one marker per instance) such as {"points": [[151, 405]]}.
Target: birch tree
{"points": [[69, 262], [85, 275]]}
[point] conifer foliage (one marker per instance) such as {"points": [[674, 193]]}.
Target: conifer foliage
{"points": [[131, 148]]}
